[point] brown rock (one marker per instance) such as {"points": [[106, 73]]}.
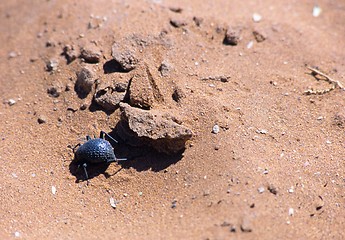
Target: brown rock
{"points": [[125, 56], [259, 36], [158, 129], [232, 36], [85, 81], [109, 99], [91, 54]]}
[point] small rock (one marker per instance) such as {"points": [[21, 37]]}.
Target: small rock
{"points": [[83, 106], [178, 94], [316, 11], [232, 36], [257, 17], [339, 119], [109, 99], [121, 87], [112, 202], [272, 189], [259, 36], [85, 81], [12, 54], [250, 44], [176, 9], [54, 91], [174, 204], [177, 23], [246, 225], [16, 234], [291, 211], [215, 129], [53, 190], [52, 65], [125, 57], [165, 68], [11, 102], [91, 54], [156, 128], [42, 119], [140, 90], [198, 21], [261, 189], [70, 53]]}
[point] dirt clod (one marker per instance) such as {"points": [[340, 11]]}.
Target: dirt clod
{"points": [[259, 36], [70, 53], [91, 54], [125, 56], [85, 81], [157, 128], [232, 36], [178, 94], [109, 99]]}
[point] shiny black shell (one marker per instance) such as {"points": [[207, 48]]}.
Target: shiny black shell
{"points": [[95, 151]]}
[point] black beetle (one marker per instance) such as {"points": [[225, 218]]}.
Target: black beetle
{"points": [[97, 150]]}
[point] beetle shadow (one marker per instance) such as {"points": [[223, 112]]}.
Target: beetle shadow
{"points": [[143, 158], [93, 170]]}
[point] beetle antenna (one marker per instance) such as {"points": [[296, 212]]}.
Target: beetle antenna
{"points": [[104, 134]]}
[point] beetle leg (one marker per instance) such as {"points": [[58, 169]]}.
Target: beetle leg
{"points": [[86, 175], [75, 147], [88, 138], [104, 134]]}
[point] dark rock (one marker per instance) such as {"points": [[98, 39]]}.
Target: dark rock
{"points": [[259, 36], [125, 57], [272, 189], [109, 99], [232, 36], [42, 119], [198, 21], [165, 68], [70, 53], [52, 65], [177, 23], [91, 54], [339, 119], [156, 128], [85, 81], [54, 91], [176, 9], [178, 94]]}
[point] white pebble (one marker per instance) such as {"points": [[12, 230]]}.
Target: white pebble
{"points": [[112, 202], [250, 44], [291, 190], [17, 234], [316, 11], [215, 129], [261, 189], [11, 102], [257, 17], [291, 211], [54, 190]]}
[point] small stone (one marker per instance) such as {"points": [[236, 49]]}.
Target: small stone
{"points": [[257, 17], [125, 57], [261, 189], [91, 54], [52, 65], [85, 81], [250, 44], [16, 234], [109, 99], [70, 53], [178, 94], [53, 190], [291, 190], [140, 193], [112, 202], [121, 87], [54, 91], [177, 23], [232, 36], [246, 225], [291, 211], [83, 106], [316, 11], [215, 129], [259, 36], [12, 54], [165, 68], [262, 131], [11, 102], [174, 204], [272, 189], [198, 21], [42, 119]]}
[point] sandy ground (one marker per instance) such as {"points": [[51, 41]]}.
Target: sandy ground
{"points": [[275, 170]]}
